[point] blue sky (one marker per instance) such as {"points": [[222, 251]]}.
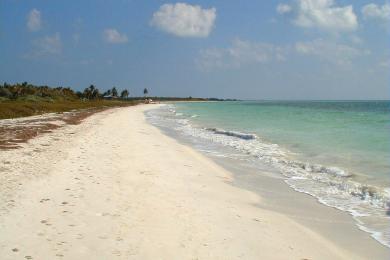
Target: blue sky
{"points": [[292, 49]]}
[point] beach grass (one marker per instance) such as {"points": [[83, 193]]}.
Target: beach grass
{"points": [[22, 108]]}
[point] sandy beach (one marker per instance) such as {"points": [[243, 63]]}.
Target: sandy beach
{"points": [[116, 187]]}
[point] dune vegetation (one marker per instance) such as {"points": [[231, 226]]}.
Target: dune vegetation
{"points": [[19, 100]]}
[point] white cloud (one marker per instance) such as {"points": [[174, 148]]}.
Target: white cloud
{"points": [[34, 20], [184, 20], [283, 8], [325, 15], [48, 45], [385, 63], [356, 39], [373, 11], [335, 53], [240, 53], [113, 36]]}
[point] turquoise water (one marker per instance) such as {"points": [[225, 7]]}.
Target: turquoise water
{"points": [[352, 135], [336, 151]]}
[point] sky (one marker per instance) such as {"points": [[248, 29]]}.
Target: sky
{"points": [[288, 49]]}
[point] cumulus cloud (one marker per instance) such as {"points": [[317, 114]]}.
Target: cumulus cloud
{"points": [[339, 54], [113, 36], [240, 53], [48, 45], [325, 15], [373, 11], [283, 8], [385, 63], [184, 20], [34, 20]]}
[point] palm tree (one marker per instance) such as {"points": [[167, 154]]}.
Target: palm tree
{"points": [[124, 93], [114, 92], [91, 88], [107, 93], [145, 92], [87, 93], [95, 93]]}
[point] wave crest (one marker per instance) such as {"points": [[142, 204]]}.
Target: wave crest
{"points": [[240, 135], [331, 185]]}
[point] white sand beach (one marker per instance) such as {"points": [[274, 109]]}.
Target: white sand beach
{"points": [[115, 187]]}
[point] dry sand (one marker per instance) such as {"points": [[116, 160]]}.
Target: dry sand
{"points": [[115, 187]]}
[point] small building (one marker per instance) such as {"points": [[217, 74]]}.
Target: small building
{"points": [[149, 101], [109, 97]]}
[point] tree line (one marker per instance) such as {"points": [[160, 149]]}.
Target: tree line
{"points": [[93, 93], [18, 90]]}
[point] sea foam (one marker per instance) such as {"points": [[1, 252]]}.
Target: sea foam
{"points": [[331, 185]]}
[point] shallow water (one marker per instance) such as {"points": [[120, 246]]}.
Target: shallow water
{"points": [[335, 151]]}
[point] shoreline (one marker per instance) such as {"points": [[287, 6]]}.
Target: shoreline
{"points": [[116, 187], [338, 225], [330, 184], [270, 184]]}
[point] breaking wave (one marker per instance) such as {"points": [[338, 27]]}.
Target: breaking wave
{"points": [[331, 185], [232, 133]]}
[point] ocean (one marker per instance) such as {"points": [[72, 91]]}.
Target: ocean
{"points": [[336, 151]]}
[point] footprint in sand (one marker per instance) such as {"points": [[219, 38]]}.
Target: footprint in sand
{"points": [[46, 222], [146, 173], [28, 257], [116, 252]]}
